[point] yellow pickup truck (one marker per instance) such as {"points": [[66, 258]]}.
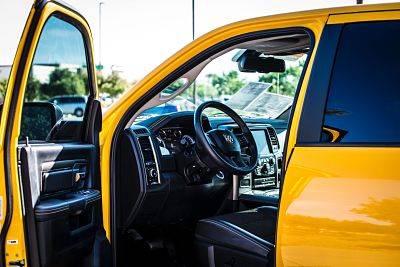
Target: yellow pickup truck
{"points": [[214, 182]]}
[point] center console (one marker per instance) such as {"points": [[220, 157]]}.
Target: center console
{"points": [[262, 185], [267, 173]]}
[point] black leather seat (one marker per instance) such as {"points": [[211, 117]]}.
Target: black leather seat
{"points": [[245, 238]]}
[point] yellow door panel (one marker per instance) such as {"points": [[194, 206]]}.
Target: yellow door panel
{"points": [[339, 201], [342, 211], [14, 229]]}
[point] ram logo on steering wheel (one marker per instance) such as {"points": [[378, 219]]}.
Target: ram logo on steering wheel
{"points": [[228, 138]]}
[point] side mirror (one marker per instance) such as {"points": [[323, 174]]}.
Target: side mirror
{"points": [[253, 61], [38, 118]]}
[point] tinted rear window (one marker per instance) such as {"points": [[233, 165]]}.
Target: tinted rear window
{"points": [[364, 95]]}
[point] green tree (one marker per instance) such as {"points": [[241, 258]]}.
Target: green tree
{"points": [[204, 91], [112, 84], [175, 85], [186, 94], [33, 89], [32, 86], [227, 83], [63, 81], [3, 88], [288, 80]]}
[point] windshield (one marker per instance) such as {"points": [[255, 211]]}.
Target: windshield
{"points": [[253, 95]]}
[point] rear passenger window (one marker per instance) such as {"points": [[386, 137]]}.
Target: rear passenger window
{"points": [[364, 96]]}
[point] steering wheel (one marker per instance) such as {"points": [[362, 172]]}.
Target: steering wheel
{"points": [[221, 148]]}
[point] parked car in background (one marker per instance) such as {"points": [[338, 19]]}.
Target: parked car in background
{"points": [[74, 105]]}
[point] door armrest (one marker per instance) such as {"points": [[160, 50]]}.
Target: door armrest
{"points": [[73, 202]]}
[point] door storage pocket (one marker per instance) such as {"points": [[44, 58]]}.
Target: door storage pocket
{"points": [[66, 227], [63, 179], [57, 180]]}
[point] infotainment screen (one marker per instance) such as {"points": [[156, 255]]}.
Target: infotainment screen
{"points": [[261, 141]]}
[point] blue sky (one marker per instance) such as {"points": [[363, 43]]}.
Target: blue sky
{"points": [[69, 49], [138, 35]]}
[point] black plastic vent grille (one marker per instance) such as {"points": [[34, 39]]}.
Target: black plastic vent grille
{"points": [[146, 148], [140, 131], [273, 137]]}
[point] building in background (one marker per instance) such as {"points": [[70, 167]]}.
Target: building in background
{"points": [[4, 71]]}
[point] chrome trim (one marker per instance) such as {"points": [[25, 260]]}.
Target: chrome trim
{"points": [[220, 175], [235, 187], [211, 257]]}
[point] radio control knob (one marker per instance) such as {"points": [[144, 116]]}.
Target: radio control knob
{"points": [[264, 168]]}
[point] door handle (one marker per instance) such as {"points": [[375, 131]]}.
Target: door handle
{"points": [[79, 176]]}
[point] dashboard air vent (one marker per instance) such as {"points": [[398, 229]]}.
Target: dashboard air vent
{"points": [[140, 131], [273, 137], [149, 160], [146, 148]]}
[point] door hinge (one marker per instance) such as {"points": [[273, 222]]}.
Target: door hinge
{"points": [[17, 263]]}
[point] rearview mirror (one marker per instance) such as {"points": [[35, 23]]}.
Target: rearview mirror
{"points": [[253, 61]]}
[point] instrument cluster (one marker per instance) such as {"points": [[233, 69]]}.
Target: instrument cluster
{"points": [[176, 139]]}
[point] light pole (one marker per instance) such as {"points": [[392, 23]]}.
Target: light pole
{"points": [[192, 19], [194, 82], [101, 3]]}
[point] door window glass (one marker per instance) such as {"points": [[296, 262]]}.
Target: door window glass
{"points": [[364, 97], [58, 77]]}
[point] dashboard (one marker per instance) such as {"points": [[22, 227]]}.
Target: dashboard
{"points": [[162, 179]]}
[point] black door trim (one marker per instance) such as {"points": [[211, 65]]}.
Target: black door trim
{"points": [[312, 114]]}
